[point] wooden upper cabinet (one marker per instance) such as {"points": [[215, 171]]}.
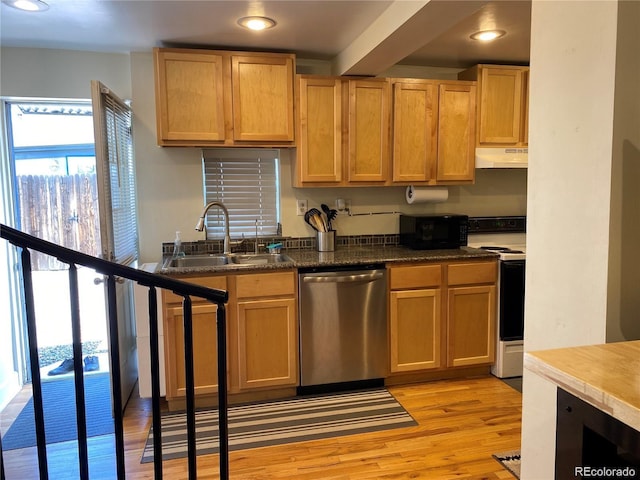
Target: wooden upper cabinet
{"points": [[319, 154], [342, 130], [433, 131], [368, 152], [456, 132], [502, 104], [415, 113], [189, 100], [222, 98], [525, 108], [263, 97]]}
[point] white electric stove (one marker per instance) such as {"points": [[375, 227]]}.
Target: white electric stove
{"points": [[505, 236]]}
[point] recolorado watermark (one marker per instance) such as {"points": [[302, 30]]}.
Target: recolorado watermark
{"points": [[605, 472]]}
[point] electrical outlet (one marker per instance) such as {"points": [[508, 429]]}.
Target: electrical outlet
{"points": [[343, 205], [301, 207]]}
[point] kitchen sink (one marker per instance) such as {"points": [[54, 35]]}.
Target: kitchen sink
{"points": [[236, 260], [258, 259], [197, 261]]}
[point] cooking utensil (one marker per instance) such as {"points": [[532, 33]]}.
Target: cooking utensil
{"points": [[331, 214], [307, 218], [330, 217], [314, 218]]}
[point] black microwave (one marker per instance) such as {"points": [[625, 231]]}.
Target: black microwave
{"points": [[431, 232]]}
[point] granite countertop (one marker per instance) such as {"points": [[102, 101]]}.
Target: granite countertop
{"points": [[359, 255], [606, 376]]}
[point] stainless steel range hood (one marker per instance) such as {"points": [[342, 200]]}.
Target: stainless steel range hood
{"points": [[502, 157]]}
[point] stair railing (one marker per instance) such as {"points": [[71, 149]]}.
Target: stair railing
{"points": [[114, 271]]}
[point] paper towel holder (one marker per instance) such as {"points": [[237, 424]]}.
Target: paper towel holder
{"points": [[429, 194]]}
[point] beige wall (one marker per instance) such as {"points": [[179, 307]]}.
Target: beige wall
{"points": [[170, 180], [44, 73], [582, 281]]}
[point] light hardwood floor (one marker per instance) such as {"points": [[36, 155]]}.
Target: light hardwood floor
{"points": [[461, 423]]}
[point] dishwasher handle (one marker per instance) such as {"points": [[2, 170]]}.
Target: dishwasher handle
{"points": [[359, 277]]}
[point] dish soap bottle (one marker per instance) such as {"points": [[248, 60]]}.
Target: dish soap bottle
{"points": [[177, 246]]}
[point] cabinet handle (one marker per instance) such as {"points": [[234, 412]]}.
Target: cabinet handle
{"points": [[363, 277]]}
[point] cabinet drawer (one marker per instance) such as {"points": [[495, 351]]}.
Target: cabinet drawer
{"points": [[472, 273], [415, 276], [265, 284], [211, 282]]}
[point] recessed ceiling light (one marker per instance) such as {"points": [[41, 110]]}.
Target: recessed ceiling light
{"points": [[488, 35], [256, 23], [27, 5]]}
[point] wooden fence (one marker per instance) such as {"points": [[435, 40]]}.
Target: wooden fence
{"points": [[62, 210]]}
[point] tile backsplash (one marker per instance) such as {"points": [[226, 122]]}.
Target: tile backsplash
{"points": [[288, 243]]}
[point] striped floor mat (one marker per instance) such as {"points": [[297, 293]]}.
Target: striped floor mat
{"points": [[284, 421]]}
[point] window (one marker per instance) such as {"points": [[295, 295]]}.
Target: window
{"points": [[246, 182]]}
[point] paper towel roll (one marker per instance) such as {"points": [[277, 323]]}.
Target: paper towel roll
{"points": [[426, 194]]}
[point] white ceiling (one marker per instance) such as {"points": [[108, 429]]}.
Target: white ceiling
{"points": [[359, 36]]}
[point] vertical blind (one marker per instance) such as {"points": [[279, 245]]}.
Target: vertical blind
{"points": [[246, 182], [119, 175]]}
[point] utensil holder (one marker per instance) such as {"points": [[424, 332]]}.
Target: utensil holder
{"points": [[326, 241]]}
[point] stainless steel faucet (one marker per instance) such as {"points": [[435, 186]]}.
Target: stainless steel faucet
{"points": [[200, 226], [256, 245]]}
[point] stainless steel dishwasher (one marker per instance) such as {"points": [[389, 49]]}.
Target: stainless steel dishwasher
{"points": [[343, 324]]}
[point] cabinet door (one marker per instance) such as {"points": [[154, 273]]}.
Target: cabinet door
{"points": [[525, 102], [415, 318], [189, 96], [368, 131], [500, 106], [267, 343], [320, 129], [456, 132], [471, 325], [262, 97], [205, 351], [415, 109]]}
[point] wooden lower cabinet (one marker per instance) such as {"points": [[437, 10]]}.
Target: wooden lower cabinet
{"points": [[414, 329], [262, 339], [471, 325], [471, 313], [415, 317], [265, 333], [205, 351], [267, 343], [426, 335]]}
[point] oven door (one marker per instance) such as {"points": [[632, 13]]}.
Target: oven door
{"points": [[511, 317]]}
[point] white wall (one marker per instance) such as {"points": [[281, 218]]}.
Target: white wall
{"points": [[570, 205], [33, 72]]}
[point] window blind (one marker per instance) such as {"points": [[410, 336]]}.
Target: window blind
{"points": [[246, 182], [118, 173]]}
